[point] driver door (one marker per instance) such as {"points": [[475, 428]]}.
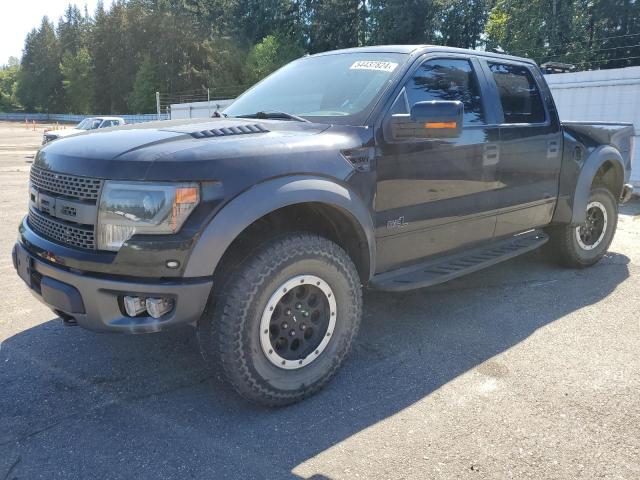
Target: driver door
{"points": [[437, 195]]}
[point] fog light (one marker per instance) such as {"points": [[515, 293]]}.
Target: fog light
{"points": [[134, 306], [172, 264], [158, 306]]}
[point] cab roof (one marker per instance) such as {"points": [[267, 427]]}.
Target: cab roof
{"points": [[420, 49]]}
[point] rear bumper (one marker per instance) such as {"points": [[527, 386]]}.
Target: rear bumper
{"points": [[94, 302]]}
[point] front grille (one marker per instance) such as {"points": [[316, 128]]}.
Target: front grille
{"points": [[74, 235], [80, 188]]}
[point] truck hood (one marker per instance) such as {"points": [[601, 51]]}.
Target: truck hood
{"points": [[200, 150]]}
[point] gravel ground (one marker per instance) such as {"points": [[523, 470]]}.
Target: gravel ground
{"points": [[523, 370]]}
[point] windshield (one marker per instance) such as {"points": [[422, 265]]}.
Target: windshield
{"points": [[89, 124], [339, 88]]}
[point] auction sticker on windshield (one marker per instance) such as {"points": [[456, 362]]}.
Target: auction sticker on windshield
{"points": [[373, 65]]}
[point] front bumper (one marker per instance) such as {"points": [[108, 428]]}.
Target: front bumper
{"points": [[94, 301]]}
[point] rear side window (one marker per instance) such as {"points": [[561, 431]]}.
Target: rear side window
{"points": [[447, 79], [519, 94]]}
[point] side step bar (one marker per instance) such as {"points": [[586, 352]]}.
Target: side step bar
{"points": [[444, 269]]}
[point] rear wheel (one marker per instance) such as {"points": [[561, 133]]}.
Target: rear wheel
{"points": [[281, 325], [584, 245]]}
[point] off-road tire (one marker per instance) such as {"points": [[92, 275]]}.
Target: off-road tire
{"points": [[228, 332], [563, 245]]}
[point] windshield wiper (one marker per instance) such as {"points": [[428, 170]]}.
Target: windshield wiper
{"points": [[274, 114]]}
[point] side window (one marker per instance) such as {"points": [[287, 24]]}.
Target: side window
{"points": [[106, 123], [519, 94], [448, 79]]}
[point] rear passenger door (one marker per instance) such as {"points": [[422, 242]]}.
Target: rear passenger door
{"points": [[530, 147]]}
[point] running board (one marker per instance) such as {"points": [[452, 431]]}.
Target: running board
{"points": [[441, 270]]}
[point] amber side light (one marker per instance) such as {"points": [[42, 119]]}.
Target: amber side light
{"points": [[441, 125], [186, 195]]}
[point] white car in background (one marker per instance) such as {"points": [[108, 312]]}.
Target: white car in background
{"points": [[90, 123]]}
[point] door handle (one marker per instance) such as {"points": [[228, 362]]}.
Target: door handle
{"points": [[491, 154], [553, 147]]}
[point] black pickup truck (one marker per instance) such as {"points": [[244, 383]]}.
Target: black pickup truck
{"points": [[389, 167]]}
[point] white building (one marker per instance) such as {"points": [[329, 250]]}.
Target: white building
{"points": [[198, 109], [601, 95]]}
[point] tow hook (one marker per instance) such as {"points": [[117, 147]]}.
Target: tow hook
{"points": [[627, 191], [67, 320]]}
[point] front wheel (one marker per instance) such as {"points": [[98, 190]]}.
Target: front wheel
{"points": [[584, 245], [281, 325]]}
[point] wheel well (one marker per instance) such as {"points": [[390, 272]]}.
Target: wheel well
{"points": [[609, 176], [322, 219]]}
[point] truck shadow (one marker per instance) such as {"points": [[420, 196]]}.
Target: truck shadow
{"points": [[76, 404]]}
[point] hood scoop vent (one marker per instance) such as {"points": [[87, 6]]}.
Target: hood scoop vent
{"points": [[229, 131]]}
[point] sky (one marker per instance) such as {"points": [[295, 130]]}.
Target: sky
{"points": [[18, 17]]}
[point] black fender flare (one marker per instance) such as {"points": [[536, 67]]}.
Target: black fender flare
{"points": [[265, 198], [590, 167]]}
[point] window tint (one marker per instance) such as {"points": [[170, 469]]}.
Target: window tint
{"points": [[519, 94], [447, 79]]}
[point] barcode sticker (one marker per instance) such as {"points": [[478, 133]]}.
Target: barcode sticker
{"points": [[373, 65]]}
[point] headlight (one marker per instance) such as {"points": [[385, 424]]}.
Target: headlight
{"points": [[127, 208]]}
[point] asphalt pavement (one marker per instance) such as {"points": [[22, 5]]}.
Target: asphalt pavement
{"points": [[523, 370]]}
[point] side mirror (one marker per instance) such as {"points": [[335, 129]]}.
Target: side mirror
{"points": [[435, 119]]}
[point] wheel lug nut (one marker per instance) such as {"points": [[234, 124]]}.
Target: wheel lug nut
{"points": [[292, 333], [298, 306], [303, 326], [285, 325]]}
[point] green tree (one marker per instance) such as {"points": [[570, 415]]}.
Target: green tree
{"points": [[78, 81], [101, 61], [334, 24], [612, 31], [223, 65], [254, 20], [462, 22], [269, 55], [587, 33], [8, 80], [142, 99], [73, 30], [403, 21], [39, 80], [116, 56]]}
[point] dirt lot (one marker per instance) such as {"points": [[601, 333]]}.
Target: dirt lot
{"points": [[524, 370]]}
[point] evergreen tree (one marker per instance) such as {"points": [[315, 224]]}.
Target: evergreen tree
{"points": [[78, 81], [73, 29], [102, 59], [403, 21], [40, 81], [333, 24], [462, 22], [110, 63], [142, 99], [269, 55]]}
